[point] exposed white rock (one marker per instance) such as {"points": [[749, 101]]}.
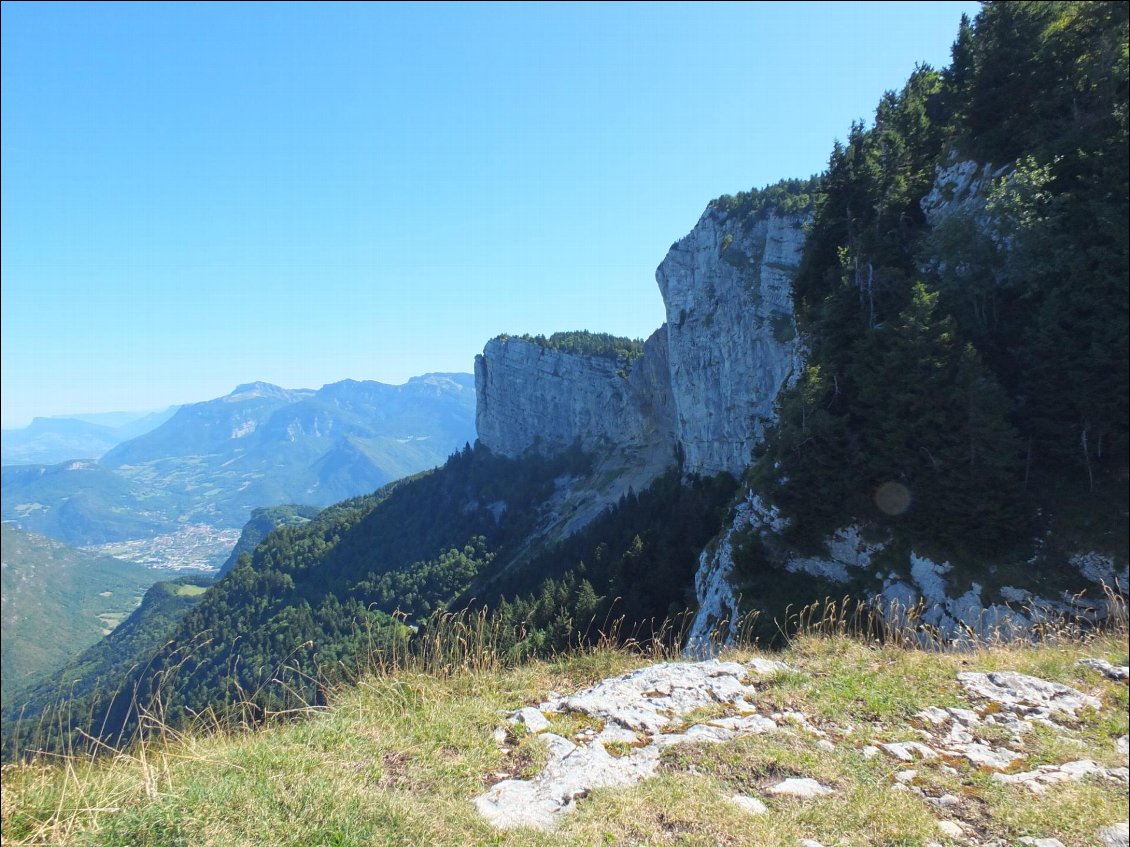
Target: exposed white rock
{"points": [[614, 733], [571, 773], [652, 698], [717, 618], [908, 751], [959, 739], [1041, 842], [749, 804], [532, 718], [1100, 569], [963, 618], [933, 715], [846, 549], [803, 788], [746, 724], [960, 187], [1033, 698], [1116, 835], [986, 756], [951, 829], [732, 346], [1011, 594], [929, 576], [1115, 672], [532, 397], [1038, 781], [635, 709]]}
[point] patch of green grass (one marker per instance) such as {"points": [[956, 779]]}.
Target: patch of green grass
{"points": [[848, 682], [1072, 812], [573, 724], [190, 590], [397, 759]]}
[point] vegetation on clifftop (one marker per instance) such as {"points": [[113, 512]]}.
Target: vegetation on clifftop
{"points": [[596, 344], [963, 388]]}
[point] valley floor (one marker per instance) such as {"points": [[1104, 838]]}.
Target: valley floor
{"points": [[399, 758]]}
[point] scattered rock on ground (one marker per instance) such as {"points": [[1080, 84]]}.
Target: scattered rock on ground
{"points": [[1027, 696], [749, 804], [1115, 672], [908, 751], [533, 719], [951, 829], [803, 788], [642, 712], [1116, 835], [1039, 780], [652, 698], [636, 709]]}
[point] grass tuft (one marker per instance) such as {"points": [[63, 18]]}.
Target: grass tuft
{"points": [[396, 756]]}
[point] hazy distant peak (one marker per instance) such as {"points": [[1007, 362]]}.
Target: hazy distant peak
{"points": [[258, 389], [457, 381]]}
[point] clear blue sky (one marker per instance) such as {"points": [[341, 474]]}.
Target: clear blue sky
{"points": [[196, 196]]}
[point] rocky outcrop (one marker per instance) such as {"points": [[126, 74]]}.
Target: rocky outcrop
{"points": [[621, 726], [534, 397], [708, 379], [731, 333], [639, 714], [705, 391], [718, 617], [961, 186]]}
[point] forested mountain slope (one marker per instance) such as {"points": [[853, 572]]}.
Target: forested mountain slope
{"points": [[905, 378], [261, 445], [57, 601]]}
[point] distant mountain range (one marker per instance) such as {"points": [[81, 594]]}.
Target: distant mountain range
{"points": [[261, 445], [48, 441]]}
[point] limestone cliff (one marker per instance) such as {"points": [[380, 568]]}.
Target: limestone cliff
{"points": [[708, 379], [960, 187], [731, 335], [535, 397], [704, 389]]}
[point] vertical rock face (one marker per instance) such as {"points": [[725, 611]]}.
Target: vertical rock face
{"points": [[708, 379], [731, 332], [962, 186], [531, 396]]}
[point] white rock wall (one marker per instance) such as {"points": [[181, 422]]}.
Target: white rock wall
{"points": [[731, 334], [709, 378], [530, 396], [960, 186]]}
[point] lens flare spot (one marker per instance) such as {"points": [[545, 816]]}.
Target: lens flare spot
{"points": [[892, 498]]}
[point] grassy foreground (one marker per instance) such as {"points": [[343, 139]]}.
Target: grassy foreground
{"points": [[398, 757]]}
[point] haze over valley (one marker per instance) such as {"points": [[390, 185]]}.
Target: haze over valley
{"points": [[177, 495]]}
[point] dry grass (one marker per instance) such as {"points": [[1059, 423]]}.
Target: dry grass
{"points": [[398, 755]]}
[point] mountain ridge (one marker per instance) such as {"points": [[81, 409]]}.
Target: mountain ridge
{"points": [[260, 445], [846, 419]]}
